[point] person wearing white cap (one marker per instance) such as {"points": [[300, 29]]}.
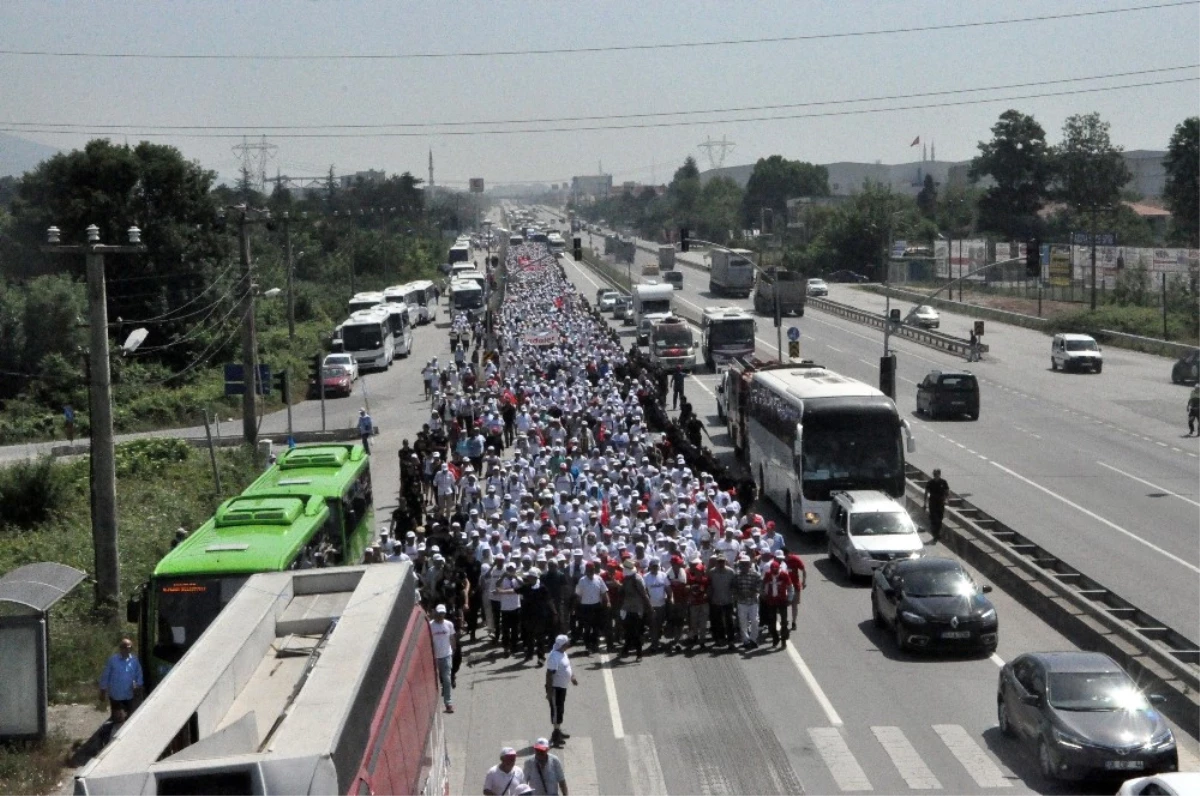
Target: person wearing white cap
{"points": [[559, 676], [504, 778], [443, 652], [544, 773]]}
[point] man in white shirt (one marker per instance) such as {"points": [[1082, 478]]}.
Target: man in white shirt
{"points": [[443, 652], [660, 594], [592, 594], [559, 676], [504, 778]]}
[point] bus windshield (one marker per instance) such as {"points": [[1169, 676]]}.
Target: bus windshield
{"points": [[739, 332], [361, 338], [655, 305], [186, 607], [468, 299], [856, 454]]}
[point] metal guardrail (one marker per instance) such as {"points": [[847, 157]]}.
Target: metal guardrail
{"points": [[960, 308], [926, 337], [1084, 610]]}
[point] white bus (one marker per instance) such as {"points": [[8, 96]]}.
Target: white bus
{"points": [[367, 334], [460, 252], [420, 294], [466, 296], [726, 333], [557, 243], [365, 301], [810, 431], [400, 294], [398, 321]]}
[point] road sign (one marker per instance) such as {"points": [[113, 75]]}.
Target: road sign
{"points": [[793, 334], [235, 383], [1102, 238], [793, 348]]}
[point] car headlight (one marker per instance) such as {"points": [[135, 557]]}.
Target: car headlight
{"points": [[1164, 740], [911, 618], [812, 518], [1067, 739], [988, 615]]}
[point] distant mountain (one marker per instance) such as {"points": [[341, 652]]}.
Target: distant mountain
{"points": [[18, 155]]}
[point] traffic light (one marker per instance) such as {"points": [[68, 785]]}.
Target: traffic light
{"points": [[577, 248], [495, 261], [684, 243], [314, 373], [1033, 258], [281, 384]]}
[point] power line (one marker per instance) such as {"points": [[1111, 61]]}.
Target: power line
{"points": [[646, 125], [585, 50], [204, 356], [67, 126], [169, 315], [197, 330]]}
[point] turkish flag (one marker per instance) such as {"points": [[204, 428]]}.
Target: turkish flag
{"points": [[453, 468], [715, 520]]}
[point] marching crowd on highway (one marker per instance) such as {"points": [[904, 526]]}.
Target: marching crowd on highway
{"points": [[551, 502]]}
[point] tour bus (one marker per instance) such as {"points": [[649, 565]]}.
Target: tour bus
{"points": [[317, 681], [367, 334], [810, 432], [460, 252], [420, 293], [557, 243], [365, 301], [672, 343], [400, 294], [726, 333]]}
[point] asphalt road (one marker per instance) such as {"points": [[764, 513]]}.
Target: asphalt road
{"points": [[1094, 468]]}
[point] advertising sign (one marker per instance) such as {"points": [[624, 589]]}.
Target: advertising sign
{"points": [[1060, 264]]}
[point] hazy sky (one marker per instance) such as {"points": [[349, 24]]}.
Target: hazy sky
{"points": [[249, 95]]}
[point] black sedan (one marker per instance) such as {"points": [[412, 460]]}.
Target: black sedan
{"points": [[932, 603], [1083, 716], [846, 275]]}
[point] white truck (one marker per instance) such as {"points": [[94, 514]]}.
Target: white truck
{"points": [[732, 272], [666, 257], [672, 343], [651, 302]]}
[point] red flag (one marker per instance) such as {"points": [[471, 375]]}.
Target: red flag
{"points": [[715, 520], [916, 141], [453, 468], [558, 302], [509, 398], [604, 513]]}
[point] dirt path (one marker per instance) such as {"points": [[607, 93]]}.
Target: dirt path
{"points": [[80, 726]]}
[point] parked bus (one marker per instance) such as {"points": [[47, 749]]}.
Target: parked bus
{"points": [[810, 431], [365, 301], [460, 252], [400, 294], [420, 293], [398, 322], [194, 582], [726, 333], [321, 681], [367, 334]]}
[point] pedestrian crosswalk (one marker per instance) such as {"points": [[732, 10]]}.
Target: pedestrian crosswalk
{"points": [[840, 748]]}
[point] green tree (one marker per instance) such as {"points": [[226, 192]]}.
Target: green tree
{"points": [[684, 193], [719, 211], [1019, 163], [927, 198], [1088, 167], [774, 181], [1182, 191]]}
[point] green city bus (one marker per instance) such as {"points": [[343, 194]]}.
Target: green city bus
{"points": [[313, 507]]}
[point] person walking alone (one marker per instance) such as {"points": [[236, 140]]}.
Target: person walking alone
{"points": [[121, 682], [559, 676], [1193, 411], [936, 491], [677, 380], [365, 428], [443, 653]]}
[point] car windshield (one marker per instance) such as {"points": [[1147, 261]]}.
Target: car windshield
{"points": [[926, 310], [334, 372], [938, 583], [1081, 345], [880, 523], [816, 281], [1094, 691], [338, 359], [672, 336]]}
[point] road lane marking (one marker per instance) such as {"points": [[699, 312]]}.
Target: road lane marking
{"points": [[814, 686], [835, 348], [579, 758], [1100, 519], [610, 689], [996, 659], [1162, 489], [644, 769], [971, 755], [703, 386], [458, 766], [905, 758], [846, 771]]}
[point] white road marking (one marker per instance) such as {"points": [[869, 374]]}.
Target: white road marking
{"points": [[703, 386], [846, 771], [835, 348], [458, 766], [579, 761], [905, 758], [610, 689], [971, 755], [583, 273], [996, 659], [1100, 519], [644, 769], [814, 686], [1162, 489]]}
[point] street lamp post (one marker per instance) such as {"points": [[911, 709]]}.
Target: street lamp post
{"points": [[102, 454]]}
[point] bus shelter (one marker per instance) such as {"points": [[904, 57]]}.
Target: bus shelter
{"points": [[26, 596]]}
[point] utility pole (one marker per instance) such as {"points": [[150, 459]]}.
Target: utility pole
{"points": [[291, 267], [249, 335], [1093, 236], [103, 445]]}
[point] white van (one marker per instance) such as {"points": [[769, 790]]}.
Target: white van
{"points": [[1075, 352], [867, 529]]}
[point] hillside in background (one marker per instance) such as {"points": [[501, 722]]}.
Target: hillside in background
{"points": [[18, 155]]}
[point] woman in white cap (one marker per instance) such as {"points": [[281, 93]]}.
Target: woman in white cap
{"points": [[559, 676]]}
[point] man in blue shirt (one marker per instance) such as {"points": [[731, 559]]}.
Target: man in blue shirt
{"points": [[121, 682], [365, 429]]}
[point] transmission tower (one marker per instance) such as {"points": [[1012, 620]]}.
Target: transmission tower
{"points": [[254, 157], [717, 150]]}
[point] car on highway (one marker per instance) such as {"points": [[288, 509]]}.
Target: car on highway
{"points": [[623, 309], [606, 299], [869, 529], [1075, 352], [846, 275], [925, 317], [336, 380], [674, 279], [1176, 783], [816, 287], [948, 393], [346, 361], [1083, 716], [1187, 368], [933, 603]]}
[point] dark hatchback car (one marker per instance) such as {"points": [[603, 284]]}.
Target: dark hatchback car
{"points": [[1187, 368], [933, 603], [1083, 717], [846, 275], [674, 279], [948, 393]]}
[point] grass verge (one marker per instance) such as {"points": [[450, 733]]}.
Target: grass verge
{"points": [[33, 766]]}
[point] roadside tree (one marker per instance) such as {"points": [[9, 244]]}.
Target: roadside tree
{"points": [[1182, 192], [1019, 162]]}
